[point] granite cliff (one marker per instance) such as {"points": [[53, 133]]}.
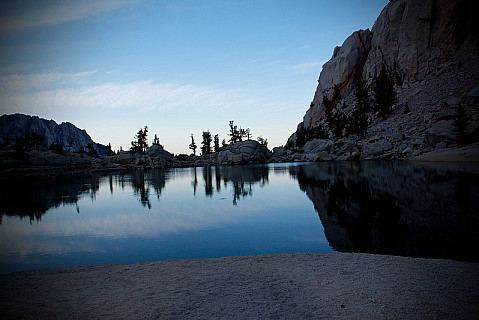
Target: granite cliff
{"points": [[429, 50]]}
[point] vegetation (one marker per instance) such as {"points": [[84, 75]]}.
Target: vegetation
{"points": [[263, 141], [216, 140], [303, 135], [91, 150], [206, 143], [156, 141], [358, 120], [385, 96], [237, 135], [192, 145], [460, 125], [57, 148], [140, 144]]}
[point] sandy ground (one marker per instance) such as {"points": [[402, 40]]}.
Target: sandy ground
{"points": [[286, 286]]}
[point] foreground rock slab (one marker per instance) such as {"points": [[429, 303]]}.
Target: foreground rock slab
{"points": [[285, 286]]}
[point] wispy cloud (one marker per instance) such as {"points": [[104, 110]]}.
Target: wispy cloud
{"points": [[14, 83], [306, 67], [53, 90], [32, 13]]}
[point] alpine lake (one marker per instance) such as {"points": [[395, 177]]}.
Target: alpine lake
{"points": [[410, 209]]}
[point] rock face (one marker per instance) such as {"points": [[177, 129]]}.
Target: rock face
{"points": [[17, 125], [244, 152], [430, 50]]}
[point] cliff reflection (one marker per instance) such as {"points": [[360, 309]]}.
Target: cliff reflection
{"points": [[396, 208]]}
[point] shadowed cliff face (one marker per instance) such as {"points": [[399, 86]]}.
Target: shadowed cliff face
{"points": [[428, 50], [398, 209]]}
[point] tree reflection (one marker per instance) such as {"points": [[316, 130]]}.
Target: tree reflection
{"points": [[33, 197], [140, 189], [400, 209]]}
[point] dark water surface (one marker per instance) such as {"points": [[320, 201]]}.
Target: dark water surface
{"points": [[411, 209]]}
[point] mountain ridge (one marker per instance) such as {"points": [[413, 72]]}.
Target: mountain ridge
{"points": [[17, 125]]}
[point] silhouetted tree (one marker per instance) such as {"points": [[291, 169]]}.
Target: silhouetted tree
{"points": [[263, 141], [328, 111], [336, 121], [223, 143], [234, 134], [140, 144], [156, 141], [110, 152], [217, 143], [57, 148], [460, 125], [248, 134], [91, 150], [385, 96], [192, 145], [358, 120], [206, 143]]}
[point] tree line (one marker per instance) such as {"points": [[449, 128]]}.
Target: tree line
{"points": [[338, 124], [209, 143]]}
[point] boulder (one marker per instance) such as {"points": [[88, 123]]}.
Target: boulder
{"points": [[244, 152], [158, 152], [440, 131], [317, 146], [279, 151], [378, 147]]}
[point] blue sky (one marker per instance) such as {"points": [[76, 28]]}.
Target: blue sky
{"points": [[180, 67]]}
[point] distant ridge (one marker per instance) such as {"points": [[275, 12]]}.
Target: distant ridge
{"points": [[17, 125]]}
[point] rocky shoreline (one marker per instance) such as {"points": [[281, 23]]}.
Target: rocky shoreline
{"points": [[46, 163]]}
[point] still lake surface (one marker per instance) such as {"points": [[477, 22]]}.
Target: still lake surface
{"points": [[410, 209]]}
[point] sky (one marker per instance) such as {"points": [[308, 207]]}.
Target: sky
{"points": [[112, 67]]}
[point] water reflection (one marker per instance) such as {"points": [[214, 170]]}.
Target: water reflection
{"points": [[406, 209], [416, 210], [33, 197]]}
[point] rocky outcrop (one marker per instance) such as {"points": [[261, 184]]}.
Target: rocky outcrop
{"points": [[66, 134], [429, 49], [245, 152]]}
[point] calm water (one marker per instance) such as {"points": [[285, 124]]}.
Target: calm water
{"points": [[377, 207]]}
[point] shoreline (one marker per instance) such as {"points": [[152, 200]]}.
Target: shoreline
{"points": [[276, 286]]}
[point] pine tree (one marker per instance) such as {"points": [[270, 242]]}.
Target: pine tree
{"points": [[110, 152], [192, 145], [460, 125], [234, 134], [140, 144], [358, 121], [217, 143], [263, 141], [385, 96], [156, 141], [206, 143]]}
